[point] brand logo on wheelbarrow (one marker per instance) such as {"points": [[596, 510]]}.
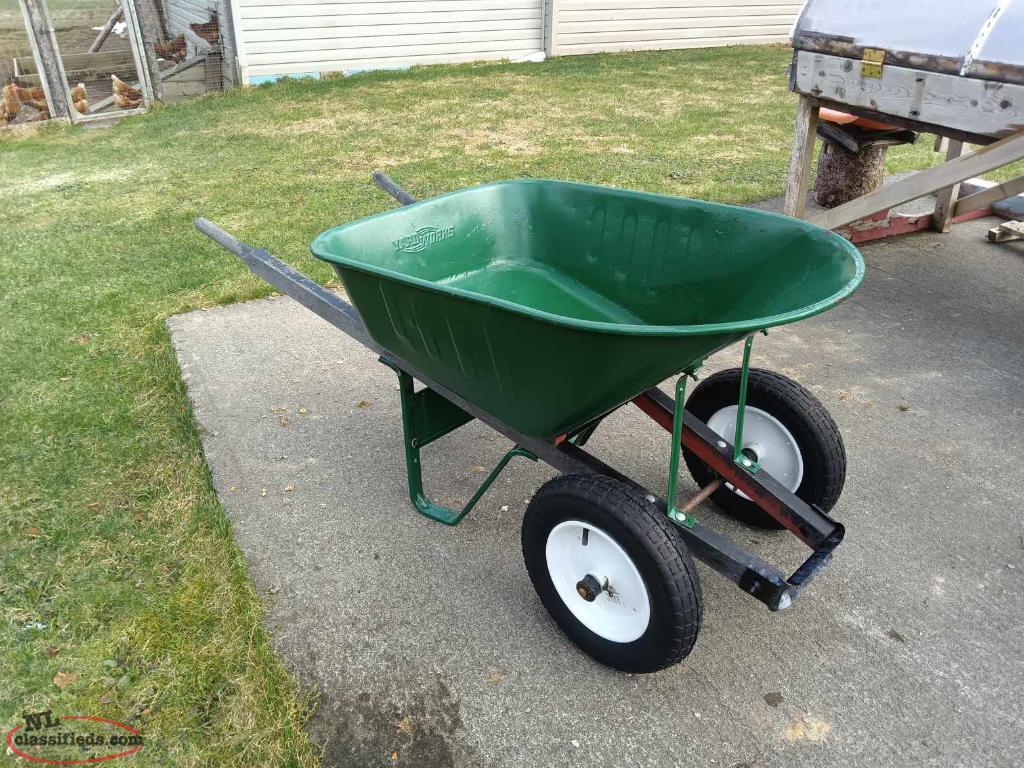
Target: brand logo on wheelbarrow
{"points": [[422, 238]]}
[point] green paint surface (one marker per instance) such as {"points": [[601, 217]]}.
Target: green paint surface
{"points": [[548, 303]]}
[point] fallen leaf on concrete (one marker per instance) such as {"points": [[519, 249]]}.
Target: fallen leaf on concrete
{"points": [[478, 469], [495, 677], [283, 421], [807, 729], [289, 487], [263, 492], [394, 756], [63, 679], [773, 698], [904, 407], [405, 726], [303, 411], [363, 404]]}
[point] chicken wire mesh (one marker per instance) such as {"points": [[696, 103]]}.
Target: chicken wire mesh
{"points": [[95, 49], [179, 43], [17, 106], [193, 39]]}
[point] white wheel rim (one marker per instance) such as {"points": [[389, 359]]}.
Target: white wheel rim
{"points": [[622, 610], [773, 444]]}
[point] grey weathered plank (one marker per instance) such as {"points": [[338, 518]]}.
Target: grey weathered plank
{"points": [[976, 106], [801, 158], [986, 197], [945, 199], [1002, 152], [47, 56]]}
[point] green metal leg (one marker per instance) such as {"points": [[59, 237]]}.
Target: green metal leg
{"points": [[677, 515], [737, 444], [426, 416]]}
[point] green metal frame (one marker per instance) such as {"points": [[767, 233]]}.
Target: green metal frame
{"points": [[426, 417], [675, 514], [737, 443]]}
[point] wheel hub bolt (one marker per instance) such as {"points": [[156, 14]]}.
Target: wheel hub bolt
{"points": [[588, 588]]}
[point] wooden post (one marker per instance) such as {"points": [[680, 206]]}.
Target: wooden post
{"points": [[945, 199], [143, 32], [101, 38], [802, 157], [44, 49]]}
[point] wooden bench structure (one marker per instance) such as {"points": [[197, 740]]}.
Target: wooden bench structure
{"points": [[942, 66]]}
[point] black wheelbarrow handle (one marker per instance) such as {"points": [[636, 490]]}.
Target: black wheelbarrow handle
{"points": [[386, 183]]}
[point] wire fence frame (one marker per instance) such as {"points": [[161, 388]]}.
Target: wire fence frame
{"points": [[53, 78]]}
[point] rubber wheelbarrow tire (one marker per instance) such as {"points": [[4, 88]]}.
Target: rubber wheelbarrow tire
{"points": [[627, 538], [809, 423]]}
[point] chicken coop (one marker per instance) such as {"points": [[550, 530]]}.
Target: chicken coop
{"points": [[94, 60]]}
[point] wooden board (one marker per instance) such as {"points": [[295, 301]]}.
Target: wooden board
{"points": [[1003, 152], [1008, 230], [85, 66], [946, 101]]}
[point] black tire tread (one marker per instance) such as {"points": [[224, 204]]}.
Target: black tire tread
{"points": [[665, 545], [821, 429]]}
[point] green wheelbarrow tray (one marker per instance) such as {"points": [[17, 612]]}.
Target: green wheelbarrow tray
{"points": [[538, 307], [549, 304]]}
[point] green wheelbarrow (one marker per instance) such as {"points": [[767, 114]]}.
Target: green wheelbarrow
{"points": [[540, 307]]}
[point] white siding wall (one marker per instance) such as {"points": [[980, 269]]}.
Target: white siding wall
{"points": [[181, 13], [592, 26], [278, 37]]}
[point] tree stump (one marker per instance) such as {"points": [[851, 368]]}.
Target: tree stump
{"points": [[843, 176]]}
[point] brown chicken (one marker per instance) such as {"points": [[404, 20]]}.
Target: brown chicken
{"points": [[30, 97], [31, 94], [80, 99], [125, 96], [11, 104], [208, 30], [173, 49]]}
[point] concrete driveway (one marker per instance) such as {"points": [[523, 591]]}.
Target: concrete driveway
{"points": [[428, 647]]}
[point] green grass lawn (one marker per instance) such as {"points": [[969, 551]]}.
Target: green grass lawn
{"points": [[118, 562]]}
